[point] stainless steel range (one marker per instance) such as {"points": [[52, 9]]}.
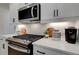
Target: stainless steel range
{"points": [[22, 44]]}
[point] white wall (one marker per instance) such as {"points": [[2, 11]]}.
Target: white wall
{"points": [[77, 24], [4, 18]]}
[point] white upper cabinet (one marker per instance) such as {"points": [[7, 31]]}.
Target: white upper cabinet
{"points": [[73, 9], [48, 12], [68, 9]]}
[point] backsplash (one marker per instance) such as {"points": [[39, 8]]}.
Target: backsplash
{"points": [[40, 28]]}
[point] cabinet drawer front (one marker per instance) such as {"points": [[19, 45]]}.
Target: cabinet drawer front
{"points": [[40, 50]]}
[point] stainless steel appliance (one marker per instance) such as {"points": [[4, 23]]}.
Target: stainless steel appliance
{"points": [[71, 35], [22, 44], [29, 13], [19, 47]]}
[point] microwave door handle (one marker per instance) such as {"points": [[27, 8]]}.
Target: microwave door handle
{"points": [[32, 12]]}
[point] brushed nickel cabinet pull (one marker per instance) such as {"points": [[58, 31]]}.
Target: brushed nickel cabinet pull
{"points": [[54, 13], [3, 46], [57, 12], [40, 52]]}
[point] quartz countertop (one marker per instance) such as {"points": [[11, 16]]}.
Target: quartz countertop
{"points": [[8, 35], [58, 45]]}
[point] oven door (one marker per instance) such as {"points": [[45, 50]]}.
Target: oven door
{"points": [[35, 11], [16, 50]]}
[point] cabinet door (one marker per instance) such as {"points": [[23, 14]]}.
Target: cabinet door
{"points": [[58, 10], [41, 50], [47, 12], [0, 46], [44, 51], [3, 47], [69, 10]]}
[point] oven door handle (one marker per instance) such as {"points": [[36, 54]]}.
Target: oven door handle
{"points": [[32, 12], [19, 49]]}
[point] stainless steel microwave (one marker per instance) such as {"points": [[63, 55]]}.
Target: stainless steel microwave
{"points": [[29, 13]]}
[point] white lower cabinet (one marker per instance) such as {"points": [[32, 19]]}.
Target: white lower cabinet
{"points": [[40, 50], [3, 47]]}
